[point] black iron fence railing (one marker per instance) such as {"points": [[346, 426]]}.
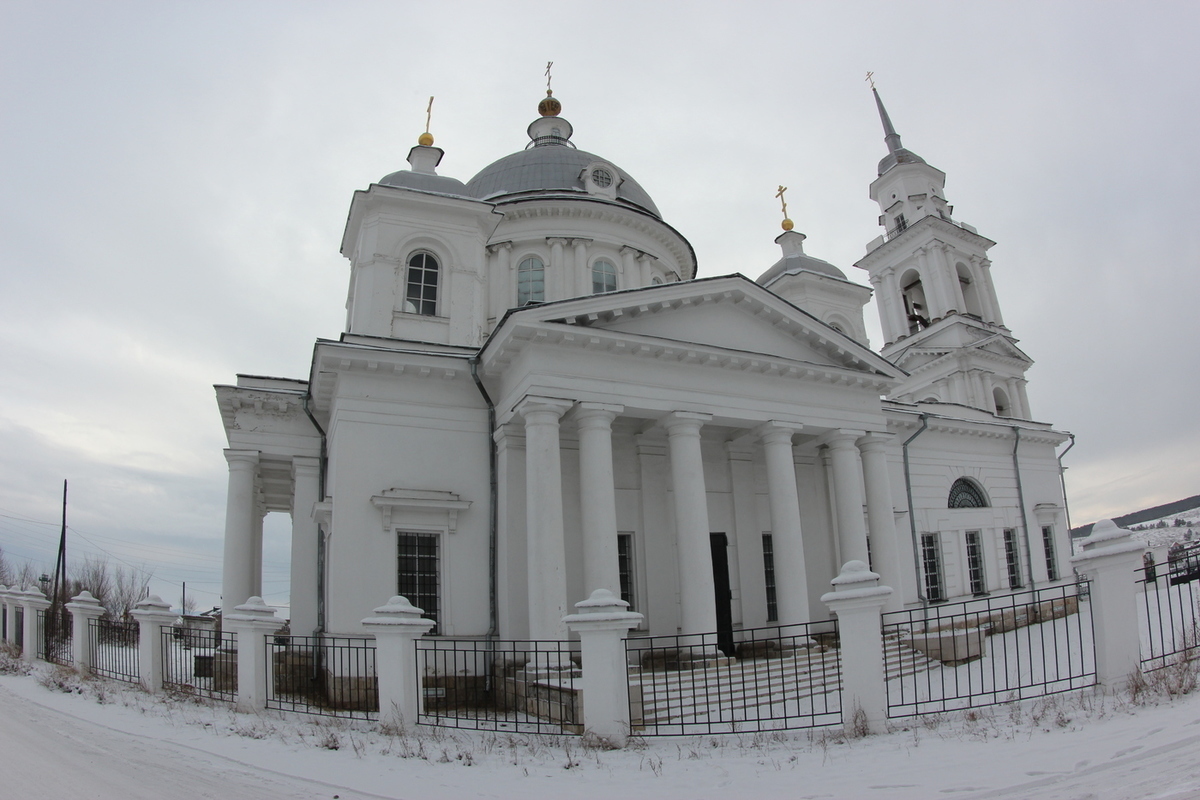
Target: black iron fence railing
{"points": [[519, 686], [19, 634], [990, 650], [329, 675], [114, 649], [54, 636], [1170, 608], [200, 661], [776, 678]]}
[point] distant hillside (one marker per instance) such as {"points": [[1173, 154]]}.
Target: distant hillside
{"points": [[1145, 515]]}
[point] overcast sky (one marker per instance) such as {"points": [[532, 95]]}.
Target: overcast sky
{"points": [[176, 176]]}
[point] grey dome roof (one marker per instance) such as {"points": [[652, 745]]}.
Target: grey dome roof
{"points": [[550, 169], [799, 262], [425, 183]]}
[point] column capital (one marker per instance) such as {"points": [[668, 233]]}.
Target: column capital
{"points": [[496, 247], [678, 422], [841, 438], [556, 240], [775, 431], [241, 456], [531, 405], [874, 440], [589, 409], [85, 605], [575, 241], [632, 252]]}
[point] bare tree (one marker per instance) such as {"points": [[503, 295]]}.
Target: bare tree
{"points": [[94, 576], [129, 586], [5, 570]]}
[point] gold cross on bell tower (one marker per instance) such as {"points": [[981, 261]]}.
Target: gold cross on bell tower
{"points": [[426, 138], [871, 79]]}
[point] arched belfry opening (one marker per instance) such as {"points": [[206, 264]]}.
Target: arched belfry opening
{"points": [[916, 308], [965, 493], [1003, 406], [970, 291]]}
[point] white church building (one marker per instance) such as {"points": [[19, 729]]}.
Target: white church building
{"points": [[534, 397]]}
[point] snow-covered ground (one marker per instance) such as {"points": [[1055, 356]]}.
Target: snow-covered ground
{"points": [[99, 739], [1161, 538]]}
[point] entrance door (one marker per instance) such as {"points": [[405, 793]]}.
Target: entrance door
{"points": [[722, 593]]}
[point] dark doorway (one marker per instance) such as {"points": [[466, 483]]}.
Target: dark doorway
{"points": [[722, 593]]}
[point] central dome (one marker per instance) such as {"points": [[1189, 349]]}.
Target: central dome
{"points": [[552, 165]]}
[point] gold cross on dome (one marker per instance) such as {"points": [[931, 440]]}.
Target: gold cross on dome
{"points": [[782, 201], [871, 79], [428, 114], [549, 64]]}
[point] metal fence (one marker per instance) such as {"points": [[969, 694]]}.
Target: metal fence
{"points": [[114, 649], [776, 678], [19, 634], [53, 636], [494, 685], [1171, 608], [329, 675], [990, 650], [200, 661]]}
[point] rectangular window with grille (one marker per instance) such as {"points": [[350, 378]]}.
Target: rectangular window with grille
{"points": [[418, 573], [931, 567], [1012, 558], [626, 571], [1048, 544], [769, 577], [975, 573]]}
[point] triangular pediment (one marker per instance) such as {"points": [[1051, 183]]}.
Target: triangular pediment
{"points": [[958, 339], [731, 314]]}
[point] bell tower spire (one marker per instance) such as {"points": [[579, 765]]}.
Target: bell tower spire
{"points": [[938, 308]]}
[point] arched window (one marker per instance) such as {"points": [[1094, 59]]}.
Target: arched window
{"points": [[531, 281], [420, 294], [970, 291], [1003, 409], [604, 277], [966, 494]]}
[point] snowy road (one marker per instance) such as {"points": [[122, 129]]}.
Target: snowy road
{"points": [[132, 747]]}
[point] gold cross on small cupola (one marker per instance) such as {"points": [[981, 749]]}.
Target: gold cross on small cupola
{"points": [[549, 107], [787, 223], [426, 138]]}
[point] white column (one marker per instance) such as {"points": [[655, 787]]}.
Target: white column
{"points": [[646, 260], [545, 549], [583, 276], [10, 613], [1110, 557], [857, 599], [1023, 397], [598, 496], [251, 622], [950, 276], [633, 273], [396, 627], [932, 284], [697, 593], [558, 277], [84, 608], [256, 542], [237, 582], [602, 621], [890, 298], [502, 281], [985, 275], [306, 493], [791, 576], [151, 615], [848, 492], [881, 518]]}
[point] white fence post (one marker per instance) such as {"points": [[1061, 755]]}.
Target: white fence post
{"points": [[34, 601], [1110, 558], [251, 623], [396, 627], [602, 622], [151, 614], [84, 608], [857, 599], [8, 594]]}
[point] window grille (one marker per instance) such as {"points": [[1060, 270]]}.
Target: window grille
{"points": [[604, 277], [931, 567], [975, 573], [418, 573], [1012, 558], [626, 571], [965, 494], [1048, 544], [768, 545], [421, 293], [531, 281]]}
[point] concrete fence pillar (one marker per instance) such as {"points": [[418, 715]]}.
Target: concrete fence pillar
{"points": [[857, 600], [1110, 557], [397, 626], [602, 622], [8, 596], [33, 602], [84, 608], [151, 614], [251, 623]]}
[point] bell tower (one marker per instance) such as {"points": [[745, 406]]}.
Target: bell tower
{"points": [[938, 308]]}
